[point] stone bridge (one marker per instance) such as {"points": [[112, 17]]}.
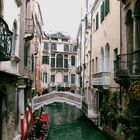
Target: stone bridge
{"points": [[62, 97]]}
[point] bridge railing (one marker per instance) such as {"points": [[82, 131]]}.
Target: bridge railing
{"points": [[70, 98]]}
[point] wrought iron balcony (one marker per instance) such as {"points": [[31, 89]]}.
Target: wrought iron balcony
{"points": [[101, 79], [5, 41], [127, 65]]}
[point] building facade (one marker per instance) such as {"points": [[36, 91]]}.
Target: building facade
{"points": [[20, 36], [127, 66], [9, 61], [58, 63]]}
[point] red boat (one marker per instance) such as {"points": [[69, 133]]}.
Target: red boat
{"points": [[41, 128]]}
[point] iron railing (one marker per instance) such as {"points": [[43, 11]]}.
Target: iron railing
{"points": [[5, 41], [127, 64]]}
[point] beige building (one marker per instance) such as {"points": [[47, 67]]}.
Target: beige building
{"points": [[58, 63], [99, 41], [84, 63], [105, 44]]}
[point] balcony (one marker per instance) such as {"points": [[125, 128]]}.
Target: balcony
{"points": [[101, 79], [5, 41], [127, 67]]}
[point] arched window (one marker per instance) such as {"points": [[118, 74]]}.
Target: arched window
{"points": [[102, 60], [136, 63], [59, 61], [107, 58], [129, 40], [73, 60], [14, 38]]}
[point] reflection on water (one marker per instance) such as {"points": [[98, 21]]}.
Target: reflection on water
{"points": [[68, 123]]}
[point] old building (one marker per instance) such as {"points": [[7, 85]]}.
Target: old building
{"points": [[58, 63], [127, 65], [105, 46], [84, 44], [20, 36], [9, 60]]}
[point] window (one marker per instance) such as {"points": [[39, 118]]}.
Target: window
{"points": [[14, 38], [1, 7], [102, 12], [33, 63], [52, 78], [45, 59], [44, 77], [65, 78], [73, 79], [73, 60], [66, 61], [52, 60], [66, 48], [74, 48], [59, 61], [26, 53], [46, 47], [53, 46], [97, 22], [106, 7]]}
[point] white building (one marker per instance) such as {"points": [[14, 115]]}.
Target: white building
{"points": [[58, 59]]}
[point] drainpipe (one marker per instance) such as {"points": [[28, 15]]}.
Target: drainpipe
{"points": [[120, 45]]}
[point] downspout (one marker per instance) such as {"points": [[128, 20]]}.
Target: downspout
{"points": [[120, 47]]}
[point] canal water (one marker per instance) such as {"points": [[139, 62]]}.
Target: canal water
{"points": [[68, 123]]}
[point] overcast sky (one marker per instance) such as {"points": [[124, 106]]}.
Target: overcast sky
{"points": [[61, 15]]}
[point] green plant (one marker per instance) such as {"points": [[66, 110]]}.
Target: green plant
{"points": [[120, 129], [111, 115], [131, 137]]}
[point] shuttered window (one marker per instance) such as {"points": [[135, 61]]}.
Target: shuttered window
{"points": [[102, 12], [106, 11], [97, 22]]}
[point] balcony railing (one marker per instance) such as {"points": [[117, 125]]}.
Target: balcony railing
{"points": [[102, 79], [5, 41], [127, 64]]}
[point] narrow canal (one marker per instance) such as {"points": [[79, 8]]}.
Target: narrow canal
{"points": [[69, 123]]}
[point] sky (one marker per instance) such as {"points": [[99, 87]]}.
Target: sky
{"points": [[61, 16]]}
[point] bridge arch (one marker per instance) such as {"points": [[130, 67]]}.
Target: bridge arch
{"points": [[61, 97]]}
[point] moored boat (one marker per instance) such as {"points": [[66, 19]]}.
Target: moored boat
{"points": [[40, 129]]}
